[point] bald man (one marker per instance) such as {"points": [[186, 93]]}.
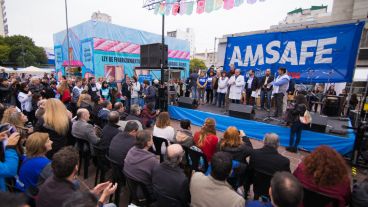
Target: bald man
{"points": [[169, 179], [81, 129]]}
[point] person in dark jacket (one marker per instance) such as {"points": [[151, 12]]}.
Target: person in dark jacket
{"points": [[123, 142], [266, 90], [296, 125], [135, 115], [184, 136], [149, 115], [169, 180], [119, 107], [251, 85], [149, 93], [110, 130], [126, 93], [92, 89], [5, 90]]}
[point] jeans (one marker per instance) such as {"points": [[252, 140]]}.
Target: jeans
{"points": [[209, 95], [295, 129], [127, 105], [266, 96], [201, 94], [216, 96], [194, 92], [279, 97], [221, 99], [236, 101]]}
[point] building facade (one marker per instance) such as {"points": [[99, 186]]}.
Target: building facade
{"points": [[209, 58], [3, 19], [187, 34]]}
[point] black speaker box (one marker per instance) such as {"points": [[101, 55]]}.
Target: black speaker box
{"points": [[241, 111], [319, 123], [187, 102], [151, 55]]}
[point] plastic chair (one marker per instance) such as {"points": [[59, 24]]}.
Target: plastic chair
{"points": [[118, 177], [196, 160], [315, 199], [166, 201], [101, 163], [139, 194], [261, 184], [84, 155], [157, 141]]}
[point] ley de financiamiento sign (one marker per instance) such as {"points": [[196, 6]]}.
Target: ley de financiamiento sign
{"points": [[317, 55]]}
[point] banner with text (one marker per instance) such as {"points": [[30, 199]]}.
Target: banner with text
{"points": [[317, 55]]}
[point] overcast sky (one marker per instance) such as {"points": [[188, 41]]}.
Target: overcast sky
{"points": [[40, 19]]}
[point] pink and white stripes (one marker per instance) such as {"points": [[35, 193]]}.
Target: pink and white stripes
{"points": [[126, 47]]}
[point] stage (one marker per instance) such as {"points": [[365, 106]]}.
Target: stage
{"points": [[256, 128]]}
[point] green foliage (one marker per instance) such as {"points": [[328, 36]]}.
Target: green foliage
{"points": [[21, 51], [196, 64]]}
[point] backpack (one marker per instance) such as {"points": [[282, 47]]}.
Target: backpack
{"points": [[306, 118]]}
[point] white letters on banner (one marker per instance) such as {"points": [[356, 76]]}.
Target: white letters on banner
{"points": [[290, 53]]}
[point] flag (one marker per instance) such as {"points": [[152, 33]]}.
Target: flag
{"points": [[251, 1], [175, 9], [200, 6], [162, 8], [157, 7], [183, 7], [228, 4], [209, 5], [218, 4], [190, 6], [238, 2], [169, 5]]}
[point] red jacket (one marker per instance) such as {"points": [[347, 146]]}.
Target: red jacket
{"points": [[341, 191], [209, 145], [66, 96]]}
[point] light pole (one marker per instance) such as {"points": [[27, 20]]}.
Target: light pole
{"points": [[67, 33]]}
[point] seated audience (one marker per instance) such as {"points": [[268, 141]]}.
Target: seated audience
{"points": [[149, 115], [325, 171], [267, 159], [8, 157], [169, 180], [84, 101], [122, 142], [214, 190], [360, 194], [83, 130], [56, 122], [134, 116], [36, 147], [104, 112], [184, 136], [62, 185], [13, 200], [88, 199], [110, 130], [139, 162], [206, 138], [162, 127], [119, 107], [285, 190]]}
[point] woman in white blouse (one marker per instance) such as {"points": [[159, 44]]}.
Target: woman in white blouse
{"points": [[25, 99], [162, 127]]}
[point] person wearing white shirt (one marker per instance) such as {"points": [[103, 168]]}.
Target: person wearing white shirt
{"points": [[236, 83], [222, 89], [25, 99], [163, 129], [135, 89]]}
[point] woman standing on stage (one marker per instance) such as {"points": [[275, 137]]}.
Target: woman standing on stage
{"points": [[201, 85], [297, 113]]}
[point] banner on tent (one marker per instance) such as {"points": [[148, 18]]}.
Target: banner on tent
{"points": [[320, 55]]}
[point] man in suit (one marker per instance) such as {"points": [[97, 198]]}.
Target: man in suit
{"points": [[168, 179], [81, 129], [110, 130], [267, 159], [266, 90], [251, 86]]}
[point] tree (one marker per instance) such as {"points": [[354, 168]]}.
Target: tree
{"points": [[196, 64], [21, 51]]}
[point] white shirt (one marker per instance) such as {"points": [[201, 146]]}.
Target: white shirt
{"points": [[166, 133]]}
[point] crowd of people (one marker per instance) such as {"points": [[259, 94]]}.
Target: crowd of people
{"points": [[43, 122]]}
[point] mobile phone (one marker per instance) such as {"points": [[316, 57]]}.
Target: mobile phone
{"points": [[4, 127]]}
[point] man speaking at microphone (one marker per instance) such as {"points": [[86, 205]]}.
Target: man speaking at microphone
{"points": [[280, 86]]}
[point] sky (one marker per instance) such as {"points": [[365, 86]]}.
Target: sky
{"points": [[40, 19]]}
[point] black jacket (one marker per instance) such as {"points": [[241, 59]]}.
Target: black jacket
{"points": [[108, 132], [270, 79], [297, 112], [255, 84], [119, 147], [125, 90], [268, 161], [170, 182], [55, 191]]}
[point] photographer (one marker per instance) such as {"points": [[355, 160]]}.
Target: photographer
{"points": [[8, 156]]}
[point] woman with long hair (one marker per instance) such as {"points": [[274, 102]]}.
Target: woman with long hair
{"points": [[64, 92], [163, 128], [56, 122], [25, 99], [7, 113], [105, 91], [19, 120], [296, 128], [37, 145], [325, 171], [149, 115], [206, 138], [85, 101]]}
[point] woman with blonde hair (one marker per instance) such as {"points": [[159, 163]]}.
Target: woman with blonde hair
{"points": [[7, 113], [85, 101], [64, 92], [18, 120], [325, 172], [37, 145], [56, 122], [206, 138], [162, 127]]}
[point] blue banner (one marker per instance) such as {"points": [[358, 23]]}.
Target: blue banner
{"points": [[87, 54], [317, 55]]}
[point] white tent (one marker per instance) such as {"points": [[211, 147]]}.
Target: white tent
{"points": [[7, 70], [34, 70]]}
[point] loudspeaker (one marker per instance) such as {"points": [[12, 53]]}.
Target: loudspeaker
{"points": [[187, 102], [319, 123], [151, 55], [241, 111]]}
